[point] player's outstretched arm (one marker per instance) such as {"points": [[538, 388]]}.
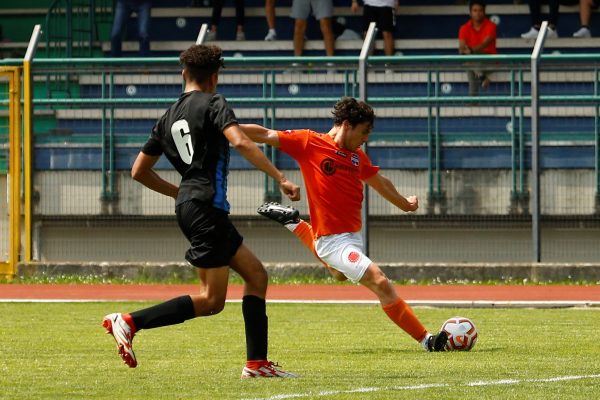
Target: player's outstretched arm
{"points": [[248, 149], [388, 191], [142, 172], [260, 134]]}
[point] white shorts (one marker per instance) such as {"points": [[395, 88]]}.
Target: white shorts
{"points": [[344, 252]]}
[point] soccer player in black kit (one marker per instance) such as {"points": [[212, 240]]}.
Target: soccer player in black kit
{"points": [[194, 135]]}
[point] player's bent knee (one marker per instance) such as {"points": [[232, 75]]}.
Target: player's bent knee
{"points": [[210, 305]]}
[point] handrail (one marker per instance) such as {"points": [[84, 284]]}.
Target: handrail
{"points": [[535, 142], [363, 69], [27, 136]]}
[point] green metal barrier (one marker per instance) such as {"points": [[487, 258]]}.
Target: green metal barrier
{"points": [[271, 68]]}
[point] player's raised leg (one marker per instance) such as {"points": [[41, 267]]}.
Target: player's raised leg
{"points": [[290, 218]]}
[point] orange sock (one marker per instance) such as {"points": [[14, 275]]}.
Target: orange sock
{"points": [[304, 232], [405, 318]]}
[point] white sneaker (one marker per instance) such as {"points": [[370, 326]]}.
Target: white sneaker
{"points": [[531, 34], [583, 32], [272, 35], [552, 33], [121, 331]]}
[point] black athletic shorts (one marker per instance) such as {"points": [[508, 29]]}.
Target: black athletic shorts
{"points": [[213, 238], [384, 18]]}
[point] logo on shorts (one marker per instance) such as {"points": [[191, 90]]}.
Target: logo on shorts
{"points": [[328, 166], [353, 257]]}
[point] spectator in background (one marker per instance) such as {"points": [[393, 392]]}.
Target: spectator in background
{"points": [[383, 13], [323, 11], [122, 11], [536, 19], [216, 19], [270, 16], [477, 36], [585, 14]]}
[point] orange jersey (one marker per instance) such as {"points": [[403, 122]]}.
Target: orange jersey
{"points": [[333, 177]]}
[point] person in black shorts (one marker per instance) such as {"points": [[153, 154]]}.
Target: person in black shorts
{"points": [[383, 13], [195, 134]]}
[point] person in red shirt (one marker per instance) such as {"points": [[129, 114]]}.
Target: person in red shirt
{"points": [[477, 36], [334, 168]]}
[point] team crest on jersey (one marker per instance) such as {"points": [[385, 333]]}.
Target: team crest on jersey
{"points": [[355, 160], [353, 257]]}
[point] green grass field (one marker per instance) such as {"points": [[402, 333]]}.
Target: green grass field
{"points": [[59, 351]]}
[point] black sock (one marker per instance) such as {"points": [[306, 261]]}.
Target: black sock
{"points": [[171, 312], [254, 310]]}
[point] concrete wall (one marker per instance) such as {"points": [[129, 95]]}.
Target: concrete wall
{"points": [[473, 194], [273, 243], [468, 192]]}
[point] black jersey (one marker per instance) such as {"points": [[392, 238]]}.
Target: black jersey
{"points": [[190, 134]]}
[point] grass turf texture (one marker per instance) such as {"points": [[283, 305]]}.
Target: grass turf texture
{"points": [[59, 351]]}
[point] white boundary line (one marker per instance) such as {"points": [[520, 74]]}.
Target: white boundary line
{"points": [[325, 393], [414, 303]]}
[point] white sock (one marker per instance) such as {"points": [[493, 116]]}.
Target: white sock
{"points": [[272, 31], [424, 341], [292, 226]]}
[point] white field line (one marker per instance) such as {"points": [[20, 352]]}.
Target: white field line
{"points": [[414, 303], [325, 393]]}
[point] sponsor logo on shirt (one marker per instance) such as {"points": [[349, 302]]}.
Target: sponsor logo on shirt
{"points": [[328, 166], [341, 153]]}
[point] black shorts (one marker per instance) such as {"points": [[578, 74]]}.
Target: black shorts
{"points": [[213, 238], [384, 18]]}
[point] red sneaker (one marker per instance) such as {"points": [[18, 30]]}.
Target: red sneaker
{"points": [[122, 332], [265, 369]]}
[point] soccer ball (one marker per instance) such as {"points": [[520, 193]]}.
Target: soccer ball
{"points": [[462, 334]]}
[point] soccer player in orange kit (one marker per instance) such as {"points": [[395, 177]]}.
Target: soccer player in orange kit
{"points": [[334, 168]]}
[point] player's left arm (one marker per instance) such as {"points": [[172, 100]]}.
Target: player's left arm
{"points": [[143, 172], [260, 134], [388, 191]]}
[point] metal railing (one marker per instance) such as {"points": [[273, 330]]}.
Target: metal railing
{"points": [[84, 145]]}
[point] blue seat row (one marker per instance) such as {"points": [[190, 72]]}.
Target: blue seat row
{"points": [[468, 157], [476, 128]]}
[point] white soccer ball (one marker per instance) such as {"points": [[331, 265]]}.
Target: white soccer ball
{"points": [[462, 334]]}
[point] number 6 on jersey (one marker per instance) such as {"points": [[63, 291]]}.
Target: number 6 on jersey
{"points": [[183, 140]]}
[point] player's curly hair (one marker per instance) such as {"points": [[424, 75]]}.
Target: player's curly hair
{"points": [[354, 111], [201, 61]]}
